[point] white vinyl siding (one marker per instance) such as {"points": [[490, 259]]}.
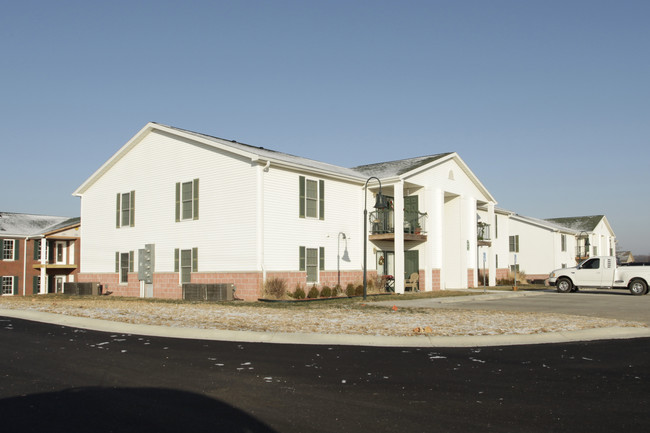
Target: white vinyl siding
{"points": [[153, 167]]}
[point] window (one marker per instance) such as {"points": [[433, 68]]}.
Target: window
{"points": [[496, 226], [496, 261], [9, 285], [514, 244], [125, 210], [9, 249], [124, 265], [187, 200], [514, 268], [595, 248], [60, 252], [591, 264], [563, 237], [311, 198], [186, 262], [312, 260]]}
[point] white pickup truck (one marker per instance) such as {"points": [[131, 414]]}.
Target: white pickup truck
{"points": [[601, 272]]}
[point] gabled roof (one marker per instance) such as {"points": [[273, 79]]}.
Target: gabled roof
{"points": [[544, 224], [397, 168], [359, 174], [583, 223], [21, 225]]}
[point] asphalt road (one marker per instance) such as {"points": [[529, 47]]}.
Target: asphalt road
{"points": [[58, 379], [611, 304]]}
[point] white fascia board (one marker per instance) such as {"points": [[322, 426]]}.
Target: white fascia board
{"points": [[463, 166], [151, 126], [541, 224], [113, 159]]}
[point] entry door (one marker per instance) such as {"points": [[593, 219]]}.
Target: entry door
{"points": [[58, 284], [410, 213], [411, 263]]}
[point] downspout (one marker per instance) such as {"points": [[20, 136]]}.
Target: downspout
{"points": [[262, 243]]}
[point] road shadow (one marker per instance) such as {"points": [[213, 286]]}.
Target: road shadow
{"points": [[103, 410]]}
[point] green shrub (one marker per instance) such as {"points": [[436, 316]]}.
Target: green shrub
{"points": [[337, 290], [349, 289], [359, 290], [326, 292], [299, 293], [313, 292], [275, 288]]}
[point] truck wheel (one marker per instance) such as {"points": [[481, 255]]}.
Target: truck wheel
{"points": [[638, 287], [564, 285]]}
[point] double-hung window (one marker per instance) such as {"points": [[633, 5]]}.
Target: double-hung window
{"points": [[124, 265], [187, 200], [125, 210], [9, 285], [311, 198], [9, 249], [514, 244], [186, 262], [311, 261]]}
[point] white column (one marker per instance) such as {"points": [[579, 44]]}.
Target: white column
{"points": [[435, 234], [492, 269], [468, 238], [43, 288], [399, 236]]}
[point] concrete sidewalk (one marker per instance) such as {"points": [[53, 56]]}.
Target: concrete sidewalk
{"points": [[326, 339]]}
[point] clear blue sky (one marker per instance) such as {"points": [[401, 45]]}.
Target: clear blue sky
{"points": [[548, 102]]}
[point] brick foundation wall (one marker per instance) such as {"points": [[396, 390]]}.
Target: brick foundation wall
{"points": [[470, 278], [435, 279]]}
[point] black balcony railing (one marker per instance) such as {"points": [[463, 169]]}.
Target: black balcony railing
{"points": [[383, 222], [483, 232]]}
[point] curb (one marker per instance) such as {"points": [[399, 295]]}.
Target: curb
{"points": [[326, 339]]}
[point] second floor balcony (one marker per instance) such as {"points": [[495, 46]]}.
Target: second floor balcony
{"points": [[382, 225]]}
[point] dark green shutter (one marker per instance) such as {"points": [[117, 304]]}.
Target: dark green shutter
{"points": [[176, 252], [321, 199], [2, 245], [195, 199], [117, 262], [17, 249], [302, 196], [301, 266], [321, 253], [35, 285], [132, 213], [117, 211], [178, 201], [16, 285], [37, 249], [131, 254], [195, 260]]}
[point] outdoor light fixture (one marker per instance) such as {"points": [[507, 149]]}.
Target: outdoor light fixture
{"points": [[346, 257], [380, 203]]}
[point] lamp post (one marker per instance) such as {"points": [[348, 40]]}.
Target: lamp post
{"points": [[346, 258], [380, 203]]}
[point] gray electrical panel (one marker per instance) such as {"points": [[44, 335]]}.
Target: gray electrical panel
{"points": [[146, 261]]}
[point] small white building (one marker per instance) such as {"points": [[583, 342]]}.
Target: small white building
{"points": [[173, 206]]}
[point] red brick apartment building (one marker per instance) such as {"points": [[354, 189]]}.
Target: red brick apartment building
{"points": [[38, 253]]}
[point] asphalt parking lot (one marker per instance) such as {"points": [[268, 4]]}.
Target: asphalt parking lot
{"points": [[613, 304]]}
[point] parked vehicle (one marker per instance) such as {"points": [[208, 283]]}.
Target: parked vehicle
{"points": [[601, 272]]}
